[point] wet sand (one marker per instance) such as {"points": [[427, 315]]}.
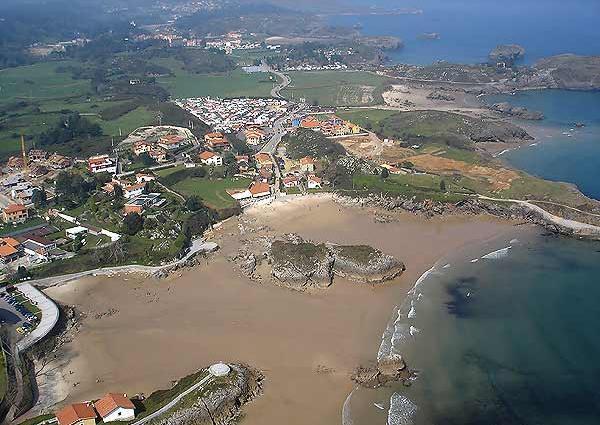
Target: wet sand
{"points": [[140, 333]]}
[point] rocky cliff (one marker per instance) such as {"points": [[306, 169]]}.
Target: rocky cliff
{"points": [[362, 263], [220, 402], [506, 108]]}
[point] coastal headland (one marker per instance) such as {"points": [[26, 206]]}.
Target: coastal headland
{"points": [[307, 344]]}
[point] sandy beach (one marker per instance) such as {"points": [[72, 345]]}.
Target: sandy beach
{"points": [[140, 334]]}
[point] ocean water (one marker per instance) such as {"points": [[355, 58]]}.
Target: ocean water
{"points": [[469, 29], [561, 151], [506, 333]]}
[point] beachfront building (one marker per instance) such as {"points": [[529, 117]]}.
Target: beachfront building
{"points": [[115, 407], [76, 414], [102, 164], [259, 190], [313, 182], [10, 250], [15, 213], [210, 158], [291, 181]]}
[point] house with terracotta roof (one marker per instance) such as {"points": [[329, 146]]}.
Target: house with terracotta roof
{"points": [[259, 190], [172, 142], [142, 146], [291, 181], [210, 158], [263, 160], [144, 177], [133, 190], [115, 407], [102, 164], [10, 250], [307, 164], [76, 414], [311, 123], [15, 213], [217, 141], [158, 154], [254, 136]]}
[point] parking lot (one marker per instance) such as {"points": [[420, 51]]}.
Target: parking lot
{"points": [[19, 312]]}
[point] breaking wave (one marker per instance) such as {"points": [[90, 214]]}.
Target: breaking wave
{"points": [[500, 253], [401, 410]]}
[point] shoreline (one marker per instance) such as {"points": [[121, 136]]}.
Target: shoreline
{"points": [[321, 357]]}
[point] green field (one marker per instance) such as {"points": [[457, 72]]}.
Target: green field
{"points": [[236, 83], [212, 192], [336, 88], [33, 98], [420, 186], [366, 118]]}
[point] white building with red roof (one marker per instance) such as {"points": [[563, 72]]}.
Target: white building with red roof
{"points": [[115, 407]]}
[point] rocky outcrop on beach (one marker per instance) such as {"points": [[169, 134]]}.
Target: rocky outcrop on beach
{"points": [[389, 369], [507, 54], [365, 264], [222, 403], [506, 108], [299, 264]]}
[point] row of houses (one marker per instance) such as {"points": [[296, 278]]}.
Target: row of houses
{"points": [[110, 408], [33, 244], [331, 127]]}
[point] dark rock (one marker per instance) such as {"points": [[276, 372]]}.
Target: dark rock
{"points": [[518, 112], [440, 95], [507, 54]]}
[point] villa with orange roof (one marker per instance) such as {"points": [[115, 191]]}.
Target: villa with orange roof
{"points": [[210, 158], [15, 213], [76, 414], [115, 407]]}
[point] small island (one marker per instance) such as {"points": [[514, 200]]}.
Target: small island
{"points": [[507, 54]]}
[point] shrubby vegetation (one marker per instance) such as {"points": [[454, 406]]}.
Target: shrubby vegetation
{"points": [[311, 143]]}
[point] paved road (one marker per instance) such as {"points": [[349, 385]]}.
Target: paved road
{"points": [[173, 402], [285, 81], [197, 246]]}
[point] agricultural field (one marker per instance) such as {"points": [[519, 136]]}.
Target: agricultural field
{"points": [[336, 88], [33, 98], [236, 83]]}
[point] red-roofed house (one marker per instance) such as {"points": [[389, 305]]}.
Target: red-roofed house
{"points": [[76, 414], [259, 190], [172, 141], [115, 407], [210, 158], [15, 213], [217, 141], [307, 164], [133, 190], [291, 181]]}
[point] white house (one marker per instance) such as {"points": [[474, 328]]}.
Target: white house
{"points": [[314, 182], [73, 232], [133, 190], [115, 407], [211, 158], [102, 164]]}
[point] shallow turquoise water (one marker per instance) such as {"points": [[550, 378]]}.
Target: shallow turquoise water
{"points": [[507, 340], [564, 152]]}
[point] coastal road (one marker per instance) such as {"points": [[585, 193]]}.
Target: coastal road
{"points": [[173, 402]]}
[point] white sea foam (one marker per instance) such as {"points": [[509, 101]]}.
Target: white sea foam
{"points": [[413, 331], [474, 260], [346, 415], [514, 241], [500, 253], [412, 313], [401, 410], [447, 266], [379, 406]]}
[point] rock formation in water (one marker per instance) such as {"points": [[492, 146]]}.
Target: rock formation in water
{"points": [[507, 54], [517, 112]]}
